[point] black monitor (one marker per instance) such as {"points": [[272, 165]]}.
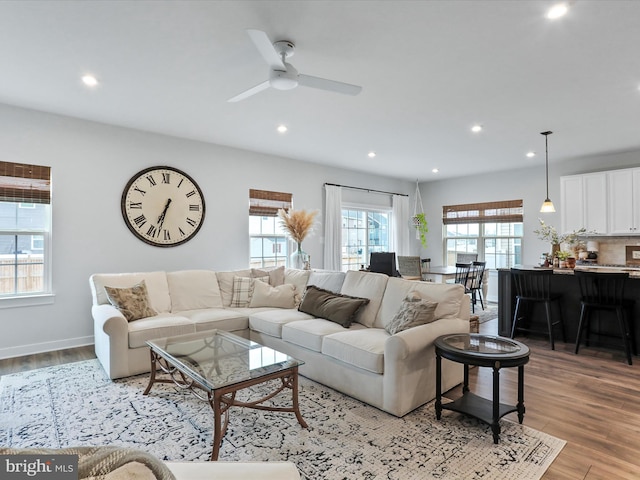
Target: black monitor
{"points": [[383, 262]]}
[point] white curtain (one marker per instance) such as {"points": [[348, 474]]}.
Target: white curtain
{"points": [[400, 219], [333, 228]]}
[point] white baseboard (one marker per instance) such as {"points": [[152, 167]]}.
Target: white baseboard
{"points": [[34, 348]]}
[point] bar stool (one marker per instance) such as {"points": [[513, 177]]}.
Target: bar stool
{"points": [[532, 286], [605, 291]]}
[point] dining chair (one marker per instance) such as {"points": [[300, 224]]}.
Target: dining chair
{"points": [[474, 285], [409, 267]]}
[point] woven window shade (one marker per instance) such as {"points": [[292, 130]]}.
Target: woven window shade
{"points": [[266, 204], [24, 183], [488, 212]]}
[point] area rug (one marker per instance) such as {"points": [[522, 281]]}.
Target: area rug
{"points": [[76, 404], [489, 313]]}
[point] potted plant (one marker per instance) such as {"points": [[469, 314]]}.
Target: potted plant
{"points": [[420, 223], [563, 255]]}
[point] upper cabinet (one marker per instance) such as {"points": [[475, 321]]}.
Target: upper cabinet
{"points": [[584, 202], [624, 198]]}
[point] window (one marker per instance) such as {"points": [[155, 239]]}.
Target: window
{"points": [[268, 243], [363, 232], [493, 230], [25, 219]]}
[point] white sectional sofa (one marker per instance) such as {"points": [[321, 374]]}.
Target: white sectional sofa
{"points": [[395, 373]]}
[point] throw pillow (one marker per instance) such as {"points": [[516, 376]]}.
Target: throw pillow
{"points": [[132, 302], [335, 307], [243, 290], [264, 295], [276, 275], [413, 312]]}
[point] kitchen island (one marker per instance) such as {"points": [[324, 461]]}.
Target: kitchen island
{"points": [[563, 282]]}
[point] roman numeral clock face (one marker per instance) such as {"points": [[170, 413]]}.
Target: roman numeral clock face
{"points": [[163, 206]]}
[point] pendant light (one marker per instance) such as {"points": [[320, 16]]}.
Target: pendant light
{"points": [[547, 205]]}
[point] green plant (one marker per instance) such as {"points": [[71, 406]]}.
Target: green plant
{"points": [[563, 255], [551, 235], [422, 227]]}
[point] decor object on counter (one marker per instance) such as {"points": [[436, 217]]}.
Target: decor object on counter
{"points": [[592, 250], [562, 258], [419, 221], [298, 224], [551, 235], [547, 205]]}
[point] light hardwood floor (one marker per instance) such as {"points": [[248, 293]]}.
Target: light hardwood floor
{"points": [[591, 400]]}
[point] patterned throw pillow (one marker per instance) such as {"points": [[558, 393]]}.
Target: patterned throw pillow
{"points": [[412, 313], [132, 302], [243, 290]]}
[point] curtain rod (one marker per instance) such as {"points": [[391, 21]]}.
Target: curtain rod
{"points": [[366, 189]]}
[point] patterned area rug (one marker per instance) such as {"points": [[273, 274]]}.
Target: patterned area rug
{"points": [[489, 313], [76, 404]]}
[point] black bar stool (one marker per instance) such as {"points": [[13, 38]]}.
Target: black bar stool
{"points": [[532, 286], [605, 291]]}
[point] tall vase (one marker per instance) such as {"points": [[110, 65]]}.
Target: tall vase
{"points": [[299, 259], [555, 248]]}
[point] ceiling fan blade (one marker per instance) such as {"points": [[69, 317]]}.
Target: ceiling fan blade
{"points": [[331, 85], [252, 91], [265, 47]]}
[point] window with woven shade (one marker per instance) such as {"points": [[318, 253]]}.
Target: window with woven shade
{"points": [[491, 230], [268, 242], [25, 238]]}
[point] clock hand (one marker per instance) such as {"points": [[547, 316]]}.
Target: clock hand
{"points": [[162, 215]]}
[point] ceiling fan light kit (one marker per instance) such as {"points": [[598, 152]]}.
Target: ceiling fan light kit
{"points": [[282, 75]]}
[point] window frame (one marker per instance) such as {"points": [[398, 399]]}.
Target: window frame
{"points": [[349, 206]]}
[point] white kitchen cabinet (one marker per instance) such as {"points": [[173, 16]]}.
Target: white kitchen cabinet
{"points": [[584, 202], [624, 199]]}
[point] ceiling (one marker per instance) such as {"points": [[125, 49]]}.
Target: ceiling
{"points": [[429, 71]]}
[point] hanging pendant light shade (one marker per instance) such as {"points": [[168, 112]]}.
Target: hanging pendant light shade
{"points": [[547, 205]]}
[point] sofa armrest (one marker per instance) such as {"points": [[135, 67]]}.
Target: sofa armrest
{"points": [[111, 338], [414, 341]]}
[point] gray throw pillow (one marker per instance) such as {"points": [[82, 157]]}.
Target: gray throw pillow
{"points": [[335, 307], [411, 314]]}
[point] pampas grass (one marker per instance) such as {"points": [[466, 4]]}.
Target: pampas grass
{"points": [[297, 223]]}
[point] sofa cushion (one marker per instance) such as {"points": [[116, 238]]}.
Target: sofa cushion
{"points": [[396, 291], [331, 281], [243, 288], [225, 282], [217, 318], [133, 302], [264, 295], [449, 297], [270, 322], [157, 287], [413, 312], [310, 333], [193, 289], [336, 307], [299, 278], [365, 285], [161, 326], [276, 275], [363, 348]]}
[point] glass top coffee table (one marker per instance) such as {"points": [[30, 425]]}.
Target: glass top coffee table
{"points": [[215, 365], [481, 351]]}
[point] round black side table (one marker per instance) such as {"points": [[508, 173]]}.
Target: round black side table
{"points": [[482, 351]]}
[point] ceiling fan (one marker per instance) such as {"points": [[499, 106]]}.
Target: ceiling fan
{"points": [[282, 75]]}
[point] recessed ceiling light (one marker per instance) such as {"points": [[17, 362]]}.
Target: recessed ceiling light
{"points": [[531, 154], [371, 154], [476, 128], [435, 170], [90, 80], [557, 11], [282, 129]]}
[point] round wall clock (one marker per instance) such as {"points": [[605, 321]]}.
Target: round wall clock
{"points": [[163, 206]]}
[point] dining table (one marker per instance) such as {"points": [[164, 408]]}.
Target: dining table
{"points": [[439, 274]]}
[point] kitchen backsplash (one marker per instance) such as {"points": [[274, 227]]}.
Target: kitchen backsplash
{"points": [[613, 250]]}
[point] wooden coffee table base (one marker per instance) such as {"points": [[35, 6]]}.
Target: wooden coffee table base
{"points": [[223, 398]]}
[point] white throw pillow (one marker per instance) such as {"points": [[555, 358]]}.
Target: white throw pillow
{"points": [[264, 295]]}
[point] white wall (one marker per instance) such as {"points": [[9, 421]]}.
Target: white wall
{"points": [[91, 164], [526, 184]]}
